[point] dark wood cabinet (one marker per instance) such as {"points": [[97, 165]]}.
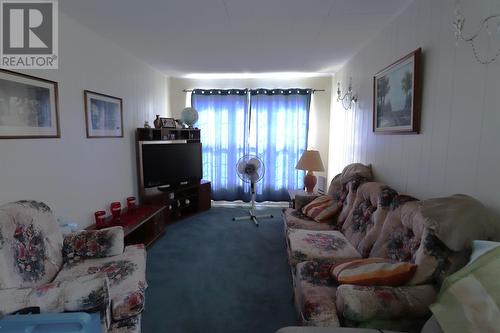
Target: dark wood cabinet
{"points": [[157, 134], [181, 200]]}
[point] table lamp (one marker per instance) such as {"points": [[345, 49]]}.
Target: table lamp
{"points": [[310, 161]]}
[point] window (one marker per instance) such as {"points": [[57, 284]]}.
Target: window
{"points": [[271, 124]]}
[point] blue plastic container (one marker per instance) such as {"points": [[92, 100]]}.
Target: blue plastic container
{"points": [[75, 322]]}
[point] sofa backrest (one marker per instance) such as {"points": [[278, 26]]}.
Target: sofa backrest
{"points": [[367, 215], [406, 237], [30, 245], [344, 186]]}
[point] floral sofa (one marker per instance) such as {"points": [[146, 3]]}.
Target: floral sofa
{"points": [[372, 220], [81, 271]]}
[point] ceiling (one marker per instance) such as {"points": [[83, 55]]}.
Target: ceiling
{"points": [[180, 37]]}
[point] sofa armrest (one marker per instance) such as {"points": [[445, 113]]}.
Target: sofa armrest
{"points": [[93, 244], [85, 293], [302, 200], [364, 303]]}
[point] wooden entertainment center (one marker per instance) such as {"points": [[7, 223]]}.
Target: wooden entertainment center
{"points": [[180, 200], [161, 205]]}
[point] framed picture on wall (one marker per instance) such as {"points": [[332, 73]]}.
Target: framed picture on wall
{"points": [[397, 95], [28, 107], [103, 115]]}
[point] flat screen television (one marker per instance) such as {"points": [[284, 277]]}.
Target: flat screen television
{"points": [[171, 163]]}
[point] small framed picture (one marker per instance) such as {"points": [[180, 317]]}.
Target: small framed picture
{"points": [[28, 107], [397, 96], [168, 122], [103, 115]]}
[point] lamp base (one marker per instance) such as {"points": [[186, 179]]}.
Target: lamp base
{"points": [[310, 181]]}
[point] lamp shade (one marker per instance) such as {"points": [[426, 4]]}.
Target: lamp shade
{"points": [[310, 161]]}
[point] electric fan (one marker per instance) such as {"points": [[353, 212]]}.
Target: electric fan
{"points": [[251, 169]]}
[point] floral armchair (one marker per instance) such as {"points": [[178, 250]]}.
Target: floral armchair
{"points": [[82, 271]]}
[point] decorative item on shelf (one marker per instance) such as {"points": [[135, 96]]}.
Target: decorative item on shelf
{"points": [[103, 115], [146, 124], [483, 30], [116, 208], [397, 96], [310, 161], [131, 204], [189, 116], [157, 121], [179, 123], [349, 96], [168, 123], [100, 215], [28, 107]]}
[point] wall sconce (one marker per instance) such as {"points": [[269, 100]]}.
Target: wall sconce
{"points": [[348, 98], [485, 26]]}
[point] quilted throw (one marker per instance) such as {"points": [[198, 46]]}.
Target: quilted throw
{"points": [[469, 300]]}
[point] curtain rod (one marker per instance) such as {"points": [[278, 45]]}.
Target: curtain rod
{"points": [[313, 90]]}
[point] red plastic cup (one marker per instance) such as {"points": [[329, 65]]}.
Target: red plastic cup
{"points": [[99, 219], [116, 208], [131, 203]]}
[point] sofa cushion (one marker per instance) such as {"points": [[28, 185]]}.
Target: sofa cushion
{"points": [[322, 246], [365, 303], [93, 244], [30, 245], [373, 272], [127, 278], [315, 294], [367, 216], [459, 219], [85, 293], [295, 219], [405, 237]]}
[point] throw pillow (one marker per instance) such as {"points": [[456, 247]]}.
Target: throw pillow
{"points": [[322, 209], [373, 272]]}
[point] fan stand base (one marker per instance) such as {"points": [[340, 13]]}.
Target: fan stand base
{"points": [[253, 217]]}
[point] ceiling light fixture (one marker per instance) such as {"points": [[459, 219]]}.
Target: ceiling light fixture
{"points": [[349, 96], [459, 24]]}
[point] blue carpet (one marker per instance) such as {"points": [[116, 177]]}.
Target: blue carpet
{"points": [[211, 274]]}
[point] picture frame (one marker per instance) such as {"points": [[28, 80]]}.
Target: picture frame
{"points": [[29, 107], [168, 123], [397, 96], [103, 115]]}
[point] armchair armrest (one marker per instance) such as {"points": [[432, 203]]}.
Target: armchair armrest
{"points": [[302, 200], [360, 303], [85, 293], [93, 244]]}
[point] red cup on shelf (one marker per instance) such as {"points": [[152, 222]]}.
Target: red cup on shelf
{"points": [[116, 208], [131, 203], [99, 219]]}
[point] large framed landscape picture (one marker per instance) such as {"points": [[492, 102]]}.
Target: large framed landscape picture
{"points": [[397, 91], [103, 115], [28, 107]]}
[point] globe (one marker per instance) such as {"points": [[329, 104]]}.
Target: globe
{"points": [[189, 116]]}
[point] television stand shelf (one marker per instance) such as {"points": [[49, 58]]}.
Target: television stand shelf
{"points": [[181, 201]]}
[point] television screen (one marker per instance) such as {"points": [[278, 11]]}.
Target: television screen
{"points": [[171, 164]]}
